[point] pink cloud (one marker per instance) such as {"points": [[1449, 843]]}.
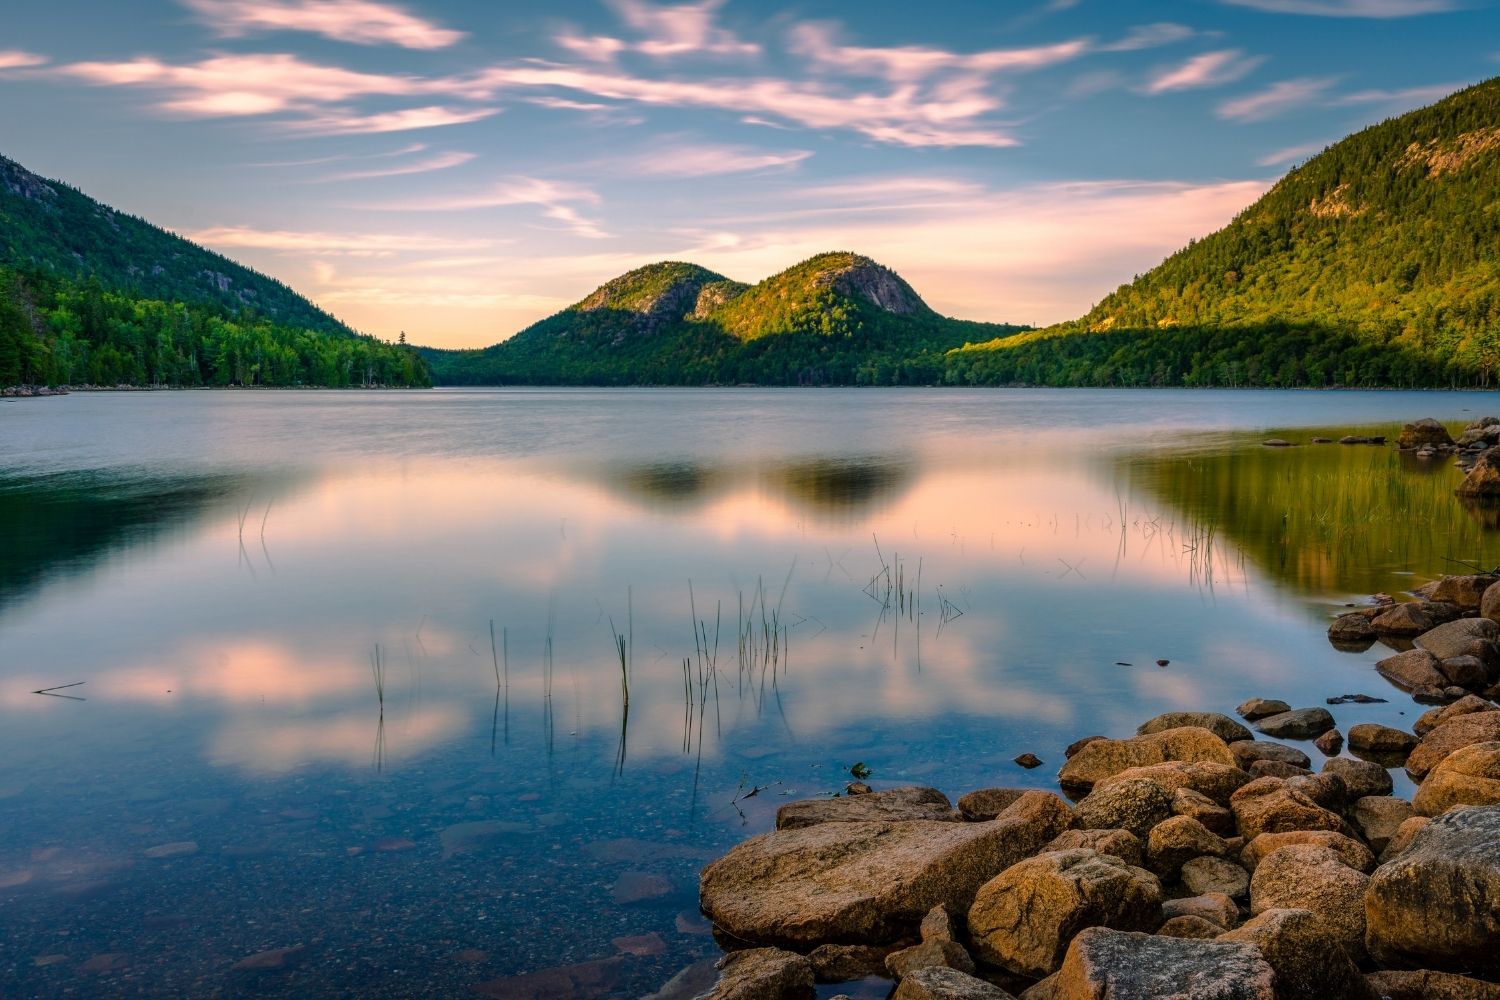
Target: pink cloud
{"points": [[1276, 99], [362, 22], [405, 120], [680, 29], [16, 59], [912, 63], [427, 165], [1211, 69]]}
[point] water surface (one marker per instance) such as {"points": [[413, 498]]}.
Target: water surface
{"points": [[348, 666]]}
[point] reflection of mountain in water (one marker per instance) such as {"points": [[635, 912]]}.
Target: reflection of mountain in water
{"points": [[65, 524], [1327, 518], [830, 489]]}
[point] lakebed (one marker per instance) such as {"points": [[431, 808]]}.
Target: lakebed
{"points": [[925, 583]]}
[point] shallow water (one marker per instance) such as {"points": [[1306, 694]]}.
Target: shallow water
{"points": [[926, 582]]}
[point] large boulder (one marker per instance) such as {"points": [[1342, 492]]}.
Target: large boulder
{"points": [[1121, 843], [929, 954], [1304, 953], [1210, 778], [1104, 964], [1483, 478], [1136, 805], [1415, 617], [1425, 984], [1489, 604], [763, 974], [1315, 879], [867, 883], [1214, 907], [873, 807], [987, 803], [1298, 724], [1176, 841], [1373, 738], [1455, 638], [1267, 805], [1424, 433], [1469, 704], [1259, 708], [1411, 670], [1466, 590], [1208, 875], [1437, 904], [1221, 726], [1023, 919], [1247, 752], [1350, 851], [1469, 776], [1102, 758], [1186, 802], [938, 983], [1361, 777], [1462, 731], [1378, 817]]}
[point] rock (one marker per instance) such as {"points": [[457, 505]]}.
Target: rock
{"points": [[1206, 876], [1105, 964], [987, 803], [1361, 777], [1276, 769], [876, 807], [1135, 805], [640, 944], [1267, 805], [1350, 851], [1462, 731], [1121, 843], [1247, 752], [689, 984], [1315, 879], [107, 962], [1305, 955], [1483, 479], [938, 926], [1327, 790], [1217, 781], [1469, 776], [1023, 919], [946, 984], [1177, 840], [763, 974], [1351, 628], [1405, 834], [1276, 443], [857, 788], [180, 849], [1102, 758], [1299, 723], [637, 887], [1214, 907], [1330, 743], [1378, 817], [272, 960], [1415, 617], [1029, 760], [1469, 704], [1424, 433], [927, 955], [1077, 745], [479, 835], [1467, 672], [868, 882], [1355, 439], [1428, 985], [1371, 737], [1221, 726], [1453, 638], [1259, 708], [1190, 926], [1437, 905], [1413, 669], [1186, 802], [840, 963], [1466, 591], [1489, 604]]}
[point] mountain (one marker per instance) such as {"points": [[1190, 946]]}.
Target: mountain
{"points": [[836, 319], [1374, 263], [91, 295]]}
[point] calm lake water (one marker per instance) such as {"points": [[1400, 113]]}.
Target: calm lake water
{"points": [[347, 667]]}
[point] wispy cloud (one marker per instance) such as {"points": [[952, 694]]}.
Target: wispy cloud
{"points": [[557, 199], [662, 32], [705, 160], [405, 120], [439, 161], [1350, 8], [911, 63], [16, 59], [362, 22], [314, 243], [1275, 99], [1211, 69], [1396, 101], [408, 150], [1291, 154], [1151, 36]]}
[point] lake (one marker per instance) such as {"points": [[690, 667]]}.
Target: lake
{"points": [[417, 693]]}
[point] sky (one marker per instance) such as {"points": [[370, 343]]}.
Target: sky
{"points": [[457, 169]]}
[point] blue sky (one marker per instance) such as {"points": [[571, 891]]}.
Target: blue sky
{"points": [[457, 169]]}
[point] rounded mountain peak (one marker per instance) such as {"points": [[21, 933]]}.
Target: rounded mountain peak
{"points": [[858, 277], [668, 289]]}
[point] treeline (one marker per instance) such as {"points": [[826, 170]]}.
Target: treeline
{"points": [[57, 331]]}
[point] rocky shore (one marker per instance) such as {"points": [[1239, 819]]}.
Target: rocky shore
{"points": [[1196, 858]]}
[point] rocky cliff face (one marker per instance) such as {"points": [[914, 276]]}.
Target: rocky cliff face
{"points": [[863, 278]]}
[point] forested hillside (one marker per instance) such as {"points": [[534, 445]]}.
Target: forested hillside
{"points": [[91, 296], [1376, 262], [836, 319]]}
